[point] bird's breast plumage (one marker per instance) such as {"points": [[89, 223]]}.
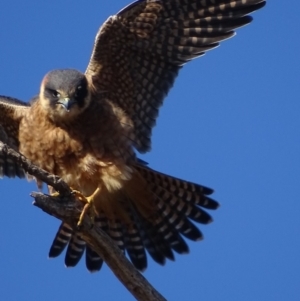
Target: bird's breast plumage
{"points": [[83, 153]]}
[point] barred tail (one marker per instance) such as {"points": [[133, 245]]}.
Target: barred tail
{"points": [[65, 236], [152, 212], [162, 209]]}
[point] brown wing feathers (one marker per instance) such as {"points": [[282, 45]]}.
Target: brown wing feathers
{"points": [[11, 112], [138, 52]]}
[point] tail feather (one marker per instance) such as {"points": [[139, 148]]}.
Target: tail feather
{"points": [[92, 260], [196, 214], [112, 227], [61, 240], [155, 243], [116, 233], [208, 203], [75, 251], [171, 205], [181, 207], [179, 221], [134, 242], [169, 234], [184, 190], [178, 201], [135, 248], [175, 185], [153, 212], [76, 246]]}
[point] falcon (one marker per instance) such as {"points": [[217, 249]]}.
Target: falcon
{"points": [[87, 127]]}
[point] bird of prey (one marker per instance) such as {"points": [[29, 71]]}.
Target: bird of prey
{"points": [[86, 127]]}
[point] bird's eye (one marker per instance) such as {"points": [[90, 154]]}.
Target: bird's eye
{"points": [[78, 92], [55, 93]]}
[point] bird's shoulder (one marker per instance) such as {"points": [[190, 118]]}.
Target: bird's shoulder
{"points": [[12, 110]]}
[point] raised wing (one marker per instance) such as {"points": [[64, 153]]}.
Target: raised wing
{"points": [[12, 111], [138, 52]]}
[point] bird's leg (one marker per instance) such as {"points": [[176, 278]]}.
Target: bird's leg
{"points": [[52, 191], [89, 202], [55, 194], [77, 193]]}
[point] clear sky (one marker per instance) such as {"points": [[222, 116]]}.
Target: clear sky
{"points": [[231, 122]]}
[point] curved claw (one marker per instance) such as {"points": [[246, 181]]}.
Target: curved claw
{"points": [[79, 196], [89, 203], [55, 194]]}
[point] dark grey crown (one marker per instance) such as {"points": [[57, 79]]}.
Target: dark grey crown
{"points": [[70, 82]]}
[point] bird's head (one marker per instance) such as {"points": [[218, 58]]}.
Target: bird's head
{"points": [[64, 94]]}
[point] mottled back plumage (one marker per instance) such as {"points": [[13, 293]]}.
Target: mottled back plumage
{"points": [[139, 51]]}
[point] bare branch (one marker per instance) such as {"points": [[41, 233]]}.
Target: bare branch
{"points": [[68, 209], [57, 183]]}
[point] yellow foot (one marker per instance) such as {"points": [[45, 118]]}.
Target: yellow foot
{"points": [[79, 195], [55, 194], [89, 205]]}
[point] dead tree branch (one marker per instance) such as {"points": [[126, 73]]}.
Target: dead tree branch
{"points": [[68, 209]]}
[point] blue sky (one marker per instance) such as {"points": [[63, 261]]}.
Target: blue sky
{"points": [[231, 122]]}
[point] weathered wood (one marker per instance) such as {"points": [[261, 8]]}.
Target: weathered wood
{"points": [[66, 208]]}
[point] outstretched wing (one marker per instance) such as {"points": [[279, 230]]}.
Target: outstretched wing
{"points": [[138, 52], [12, 111]]}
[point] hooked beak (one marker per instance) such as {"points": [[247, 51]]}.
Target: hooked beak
{"points": [[66, 102]]}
